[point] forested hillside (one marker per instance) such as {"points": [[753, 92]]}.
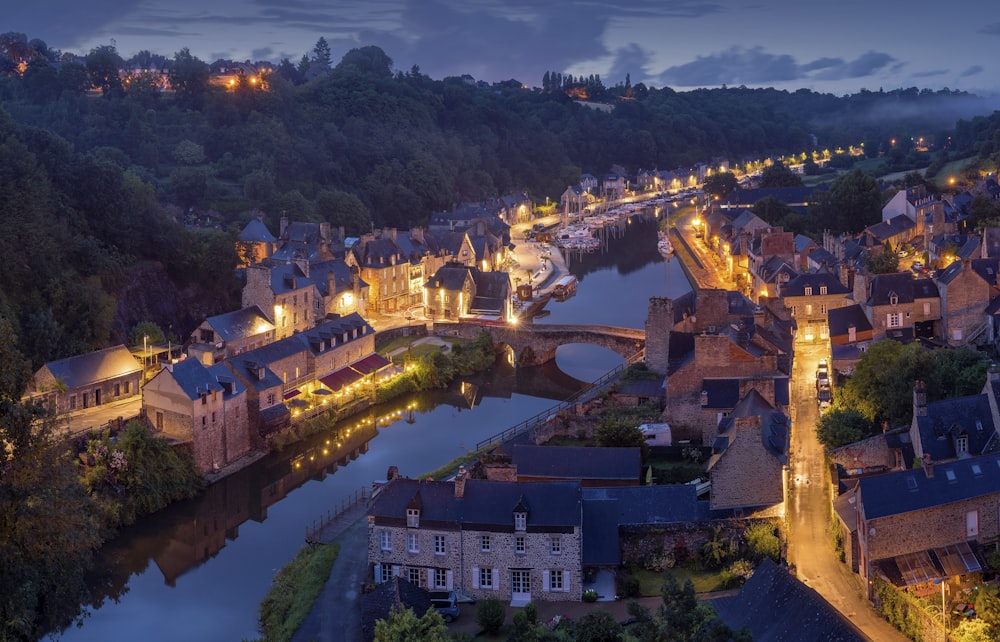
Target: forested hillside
{"points": [[120, 205]]}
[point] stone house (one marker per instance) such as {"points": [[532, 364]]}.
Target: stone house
{"points": [[205, 406], [86, 380], [230, 333], [517, 542], [315, 242], [850, 335], [575, 199], [284, 293], [266, 410], [749, 455], [588, 182], [810, 297], [898, 306], [613, 186], [339, 288], [456, 291], [515, 208], [921, 525], [964, 295], [255, 242], [956, 428], [896, 232]]}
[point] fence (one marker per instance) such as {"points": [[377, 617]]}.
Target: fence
{"points": [[314, 531], [548, 414]]}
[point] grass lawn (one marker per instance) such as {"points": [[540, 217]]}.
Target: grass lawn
{"points": [[294, 589], [676, 472], [651, 582]]}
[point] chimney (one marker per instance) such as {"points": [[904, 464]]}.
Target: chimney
{"points": [[919, 399], [417, 234], [460, 482], [284, 226], [392, 473], [324, 232], [389, 233], [928, 465]]}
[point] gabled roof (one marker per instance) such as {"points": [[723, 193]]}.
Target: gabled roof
{"points": [[814, 280], [987, 269], [247, 366], [452, 277], [911, 490], [240, 324], [776, 607], [485, 503], [947, 419], [256, 232], [192, 377], [773, 423], [576, 462], [821, 256], [85, 369], [343, 280], [840, 320], [886, 286], [893, 227]]}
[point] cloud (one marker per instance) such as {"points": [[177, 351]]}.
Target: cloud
{"points": [[971, 71], [865, 65], [734, 66], [929, 73], [632, 60], [821, 63], [992, 29]]}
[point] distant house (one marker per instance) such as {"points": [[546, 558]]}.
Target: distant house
{"points": [[517, 542], [206, 406], [255, 242], [284, 293], [457, 291], [955, 428], [86, 380], [231, 333]]}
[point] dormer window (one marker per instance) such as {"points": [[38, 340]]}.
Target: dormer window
{"points": [[808, 290], [520, 521], [413, 517], [893, 299], [822, 289], [962, 445]]}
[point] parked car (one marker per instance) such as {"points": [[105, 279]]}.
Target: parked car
{"points": [[824, 395], [446, 604], [822, 373]]}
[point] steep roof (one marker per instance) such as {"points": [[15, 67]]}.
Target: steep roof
{"points": [[773, 424], [911, 490], [947, 419], [776, 607], [815, 280], [256, 232], [88, 368], [240, 324], [842, 319]]}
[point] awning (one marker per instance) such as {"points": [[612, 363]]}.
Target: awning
{"points": [[930, 565], [294, 392], [370, 364], [340, 378]]}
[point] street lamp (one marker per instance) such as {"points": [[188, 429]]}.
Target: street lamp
{"points": [[145, 355], [944, 608]]}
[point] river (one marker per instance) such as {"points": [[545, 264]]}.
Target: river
{"points": [[198, 570]]}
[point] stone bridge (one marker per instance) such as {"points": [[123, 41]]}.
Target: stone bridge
{"points": [[534, 344]]}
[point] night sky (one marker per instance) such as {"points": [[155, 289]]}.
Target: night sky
{"points": [[837, 47]]}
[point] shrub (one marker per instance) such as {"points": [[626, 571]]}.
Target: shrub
{"points": [[531, 612], [629, 586], [590, 595], [762, 541], [490, 615]]}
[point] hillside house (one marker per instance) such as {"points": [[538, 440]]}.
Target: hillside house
{"points": [[230, 333], [284, 293], [86, 380], [457, 291]]}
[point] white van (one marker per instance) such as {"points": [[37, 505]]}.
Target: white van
{"points": [[657, 434]]}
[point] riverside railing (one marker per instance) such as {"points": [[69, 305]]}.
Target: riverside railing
{"points": [[363, 494]]}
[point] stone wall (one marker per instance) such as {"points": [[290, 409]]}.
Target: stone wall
{"points": [[747, 474], [659, 323]]}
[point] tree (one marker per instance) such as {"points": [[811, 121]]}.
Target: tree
{"points": [[720, 184], [370, 59], [853, 202], [103, 64], [190, 78], [146, 333], [762, 542], [403, 625], [615, 432], [841, 426], [321, 53], [598, 626], [777, 175], [884, 262], [772, 210]]}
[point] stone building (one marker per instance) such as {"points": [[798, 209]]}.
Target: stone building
{"points": [[231, 333], [964, 297], [518, 542], [86, 380], [206, 406], [810, 297], [284, 293]]}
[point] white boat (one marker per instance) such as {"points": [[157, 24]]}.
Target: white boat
{"points": [[665, 247]]}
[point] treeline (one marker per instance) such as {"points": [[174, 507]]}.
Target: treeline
{"points": [[122, 202]]}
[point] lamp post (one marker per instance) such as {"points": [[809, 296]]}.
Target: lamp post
{"points": [[145, 355], [944, 607]]}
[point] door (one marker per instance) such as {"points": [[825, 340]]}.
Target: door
{"points": [[520, 586], [972, 524], [97, 397]]}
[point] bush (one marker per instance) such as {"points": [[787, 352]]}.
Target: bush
{"points": [[629, 586], [590, 595], [762, 541], [490, 615], [531, 612]]}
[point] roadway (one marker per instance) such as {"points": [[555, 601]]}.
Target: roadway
{"points": [[808, 505]]}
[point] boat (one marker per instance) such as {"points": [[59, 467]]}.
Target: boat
{"points": [[665, 247]]}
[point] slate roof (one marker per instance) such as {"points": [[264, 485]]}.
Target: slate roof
{"points": [[814, 280], [100, 365], [840, 320], [895, 226], [246, 365], [256, 232], [822, 256], [378, 604], [449, 277], [898, 284], [643, 388], [240, 324], [776, 607], [577, 462], [987, 269], [332, 330], [949, 418], [911, 490], [193, 378], [342, 280], [722, 393], [607, 509], [486, 503], [773, 424]]}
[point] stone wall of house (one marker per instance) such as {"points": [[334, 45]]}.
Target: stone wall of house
{"points": [[257, 290], [746, 474], [866, 453], [931, 527], [538, 557], [659, 322], [425, 559], [963, 303]]}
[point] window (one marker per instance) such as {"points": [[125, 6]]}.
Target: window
{"points": [[439, 544], [927, 312], [485, 545], [118, 389], [128, 387], [555, 580], [203, 422], [794, 310], [893, 299], [519, 544], [823, 309], [204, 400], [894, 320], [383, 573], [213, 416], [520, 521], [72, 402], [413, 517], [555, 545], [411, 543], [822, 289], [486, 578], [385, 540], [808, 290], [440, 578], [809, 309], [270, 398], [413, 576], [962, 445]]}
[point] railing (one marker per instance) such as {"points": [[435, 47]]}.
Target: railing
{"points": [[548, 414], [360, 495]]}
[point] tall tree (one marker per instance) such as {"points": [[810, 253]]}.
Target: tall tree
{"points": [[103, 67], [777, 175], [321, 53]]}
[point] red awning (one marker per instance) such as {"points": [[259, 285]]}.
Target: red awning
{"points": [[294, 392], [340, 378], [370, 364]]}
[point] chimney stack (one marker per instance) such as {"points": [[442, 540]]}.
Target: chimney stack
{"points": [[928, 465], [460, 482], [919, 400]]}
